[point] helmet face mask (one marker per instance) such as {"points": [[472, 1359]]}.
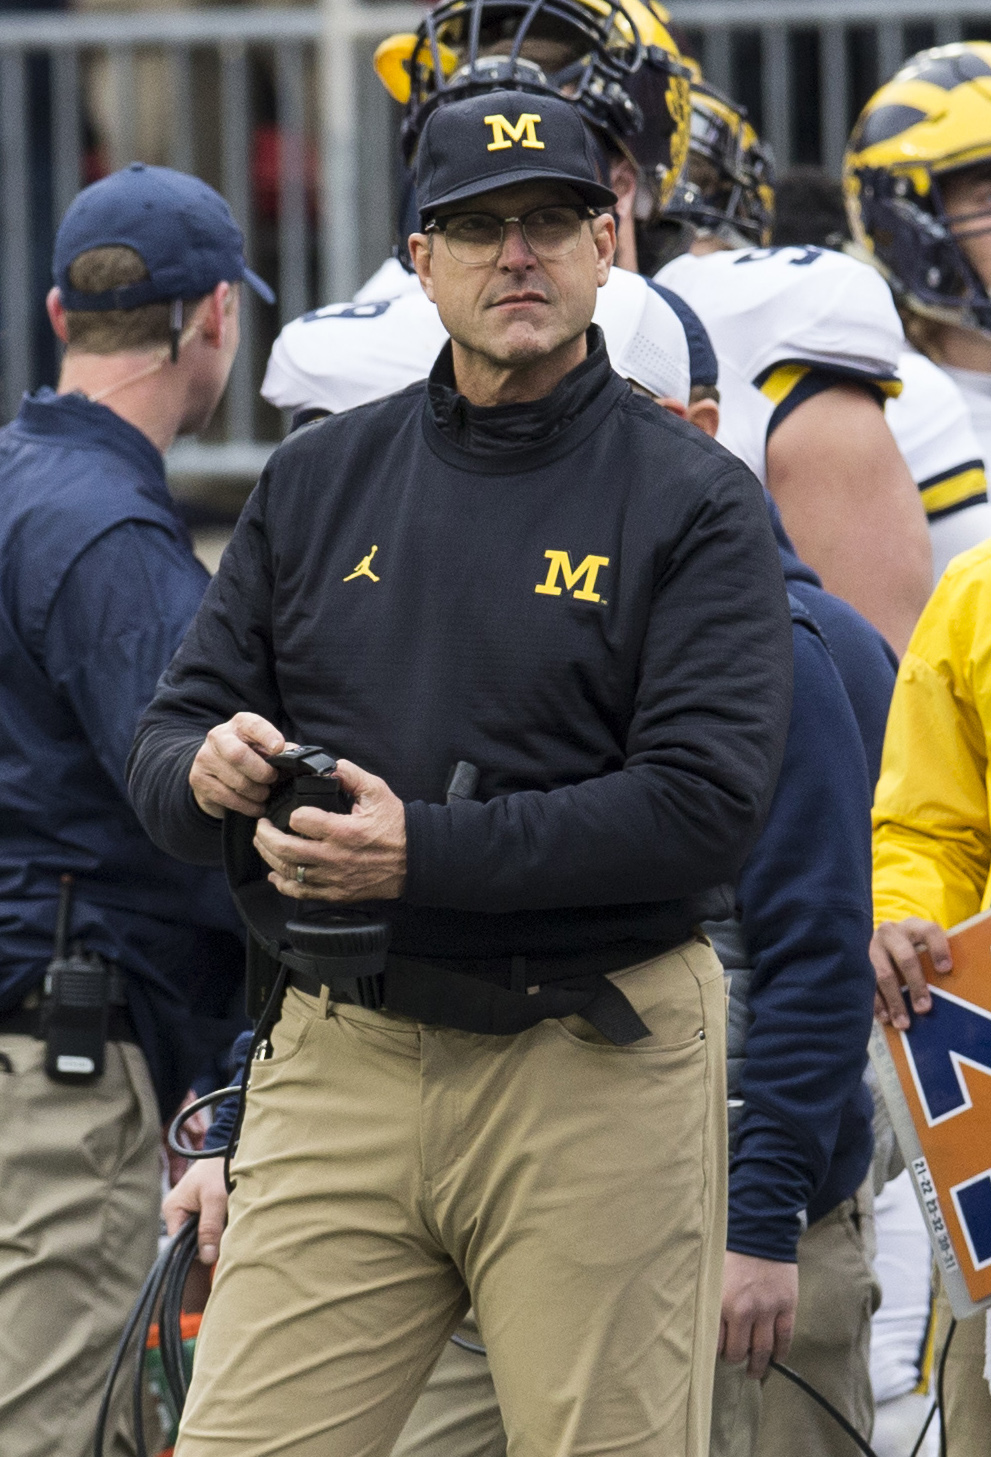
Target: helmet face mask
{"points": [[727, 191], [931, 123], [611, 59]]}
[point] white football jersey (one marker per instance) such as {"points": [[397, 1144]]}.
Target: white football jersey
{"points": [[767, 307], [900, 1353], [786, 322], [935, 432], [782, 321], [392, 280], [976, 391], [347, 354]]}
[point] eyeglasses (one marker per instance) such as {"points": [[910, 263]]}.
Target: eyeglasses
{"points": [[477, 238]]}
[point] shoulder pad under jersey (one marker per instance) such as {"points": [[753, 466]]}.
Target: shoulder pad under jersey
{"points": [[932, 427], [767, 307], [347, 354], [391, 280]]}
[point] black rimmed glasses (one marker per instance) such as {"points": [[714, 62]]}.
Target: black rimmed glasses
{"points": [[476, 238]]}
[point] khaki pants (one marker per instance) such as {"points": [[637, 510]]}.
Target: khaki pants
{"points": [[458, 1413], [80, 1190], [831, 1348], [966, 1398], [389, 1173]]}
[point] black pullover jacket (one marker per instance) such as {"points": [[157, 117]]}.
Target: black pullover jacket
{"points": [[582, 596]]}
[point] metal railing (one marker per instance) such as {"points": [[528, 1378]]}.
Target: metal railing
{"points": [[280, 110], [804, 68], [235, 96]]}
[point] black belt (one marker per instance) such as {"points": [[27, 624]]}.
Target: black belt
{"points": [[498, 997], [504, 995], [28, 1021]]}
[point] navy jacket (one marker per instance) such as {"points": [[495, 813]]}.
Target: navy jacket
{"points": [[865, 660], [98, 583], [804, 902], [804, 898]]}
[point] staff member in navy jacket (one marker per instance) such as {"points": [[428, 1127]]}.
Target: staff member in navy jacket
{"points": [[98, 583], [521, 564], [800, 1015]]}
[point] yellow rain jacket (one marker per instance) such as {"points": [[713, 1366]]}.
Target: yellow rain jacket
{"points": [[932, 840]]}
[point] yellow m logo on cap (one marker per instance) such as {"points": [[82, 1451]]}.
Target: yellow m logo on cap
{"points": [[523, 132]]}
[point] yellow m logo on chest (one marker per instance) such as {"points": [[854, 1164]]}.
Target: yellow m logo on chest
{"points": [[560, 566], [523, 132]]}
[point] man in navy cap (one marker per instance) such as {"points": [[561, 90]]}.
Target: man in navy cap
{"points": [[579, 595], [98, 583]]}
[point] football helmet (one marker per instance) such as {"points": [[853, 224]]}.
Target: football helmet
{"points": [[932, 118], [612, 59], [728, 185]]}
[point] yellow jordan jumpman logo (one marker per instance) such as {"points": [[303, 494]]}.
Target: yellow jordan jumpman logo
{"points": [[364, 568]]}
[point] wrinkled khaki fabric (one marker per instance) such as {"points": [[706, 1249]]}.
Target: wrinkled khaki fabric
{"points": [[80, 1191], [389, 1173]]}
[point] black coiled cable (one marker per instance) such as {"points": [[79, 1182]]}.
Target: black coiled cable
{"points": [[860, 1442], [170, 1340], [188, 1111], [261, 1032], [163, 1288], [264, 1026], [939, 1403], [166, 1281]]}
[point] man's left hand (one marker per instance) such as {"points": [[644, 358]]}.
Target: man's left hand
{"points": [[345, 858]]}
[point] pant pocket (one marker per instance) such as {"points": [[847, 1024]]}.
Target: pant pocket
{"points": [[669, 995]]}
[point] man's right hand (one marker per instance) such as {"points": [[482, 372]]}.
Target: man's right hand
{"points": [[201, 1191], [760, 1298], [895, 952], [229, 771]]}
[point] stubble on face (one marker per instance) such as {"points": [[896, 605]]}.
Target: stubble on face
{"points": [[520, 307]]}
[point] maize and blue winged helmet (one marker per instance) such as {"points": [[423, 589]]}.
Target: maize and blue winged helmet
{"points": [[931, 119], [727, 189], [614, 60]]}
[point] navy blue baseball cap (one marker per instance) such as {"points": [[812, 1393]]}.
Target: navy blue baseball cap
{"points": [[181, 228], [501, 138]]}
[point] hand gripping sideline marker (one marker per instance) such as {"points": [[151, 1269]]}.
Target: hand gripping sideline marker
{"points": [[936, 1081]]}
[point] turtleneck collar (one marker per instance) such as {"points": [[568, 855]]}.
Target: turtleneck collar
{"points": [[502, 435]]}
